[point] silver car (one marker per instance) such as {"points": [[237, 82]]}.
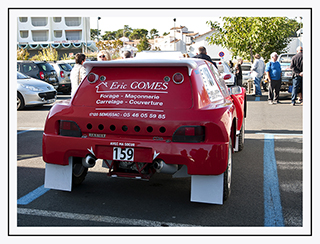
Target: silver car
{"points": [[226, 73], [63, 70], [33, 92]]}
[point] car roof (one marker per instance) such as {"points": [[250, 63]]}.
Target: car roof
{"points": [[184, 62]]}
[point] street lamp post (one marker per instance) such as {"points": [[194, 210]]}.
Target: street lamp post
{"points": [[174, 35], [99, 18]]}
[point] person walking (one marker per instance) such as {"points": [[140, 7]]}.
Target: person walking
{"points": [[297, 70], [78, 72], [203, 55], [273, 70], [103, 55], [239, 72], [258, 68]]}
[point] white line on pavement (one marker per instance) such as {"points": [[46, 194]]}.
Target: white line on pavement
{"points": [[98, 218]]}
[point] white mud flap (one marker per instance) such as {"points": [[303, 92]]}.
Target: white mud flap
{"points": [[207, 189], [58, 177]]}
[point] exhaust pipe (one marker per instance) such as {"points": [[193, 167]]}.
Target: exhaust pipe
{"points": [[161, 167], [89, 161]]}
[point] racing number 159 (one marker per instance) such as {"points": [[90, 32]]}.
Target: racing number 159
{"points": [[126, 154]]}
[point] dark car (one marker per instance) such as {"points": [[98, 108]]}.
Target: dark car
{"points": [[40, 70]]}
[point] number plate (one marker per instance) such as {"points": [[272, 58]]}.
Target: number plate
{"points": [[123, 154]]}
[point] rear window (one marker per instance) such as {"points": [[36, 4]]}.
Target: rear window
{"points": [[45, 67], [245, 67], [65, 67], [135, 88]]}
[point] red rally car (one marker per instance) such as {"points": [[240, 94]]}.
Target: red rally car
{"points": [[147, 116]]}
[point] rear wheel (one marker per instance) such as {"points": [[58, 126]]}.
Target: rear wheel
{"points": [[241, 136], [227, 174], [79, 172]]}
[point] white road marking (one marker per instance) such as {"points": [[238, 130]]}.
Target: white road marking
{"points": [[98, 218]]}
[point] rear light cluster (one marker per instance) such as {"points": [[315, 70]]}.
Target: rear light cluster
{"points": [[41, 75], [69, 128], [189, 134], [61, 74], [227, 77]]}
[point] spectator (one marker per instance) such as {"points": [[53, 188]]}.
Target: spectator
{"points": [[78, 72], [239, 72], [127, 54], [296, 66], [103, 55], [273, 70], [203, 55], [258, 68]]}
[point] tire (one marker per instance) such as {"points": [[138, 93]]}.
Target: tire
{"points": [[241, 135], [79, 172], [227, 174], [20, 102]]}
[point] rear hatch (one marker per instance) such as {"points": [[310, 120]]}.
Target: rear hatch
{"points": [[50, 75], [135, 101]]}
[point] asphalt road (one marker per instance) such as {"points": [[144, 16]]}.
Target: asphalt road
{"points": [[161, 202]]}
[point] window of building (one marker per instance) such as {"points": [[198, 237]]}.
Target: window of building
{"points": [[23, 19], [57, 19], [24, 34], [57, 33], [73, 21], [73, 35], [41, 35], [39, 21]]}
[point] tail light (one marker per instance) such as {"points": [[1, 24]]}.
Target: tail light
{"points": [[227, 77], [41, 75], [178, 78], [61, 74], [69, 128], [189, 134]]}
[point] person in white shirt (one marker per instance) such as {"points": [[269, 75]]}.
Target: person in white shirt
{"points": [[258, 69], [78, 72]]}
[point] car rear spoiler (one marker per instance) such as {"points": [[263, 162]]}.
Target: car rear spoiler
{"points": [[189, 63]]}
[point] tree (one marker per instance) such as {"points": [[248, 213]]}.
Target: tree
{"points": [[143, 44], [94, 34], [138, 34], [22, 54], [153, 33], [47, 54], [109, 35], [245, 36]]}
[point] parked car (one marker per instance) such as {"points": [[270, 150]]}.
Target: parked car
{"points": [[147, 116], [71, 62], [33, 92], [40, 70], [286, 74], [63, 70], [226, 73], [246, 72]]}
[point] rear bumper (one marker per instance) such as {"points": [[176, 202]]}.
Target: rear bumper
{"points": [[200, 158]]}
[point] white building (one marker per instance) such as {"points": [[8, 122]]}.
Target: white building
{"points": [[212, 50], [177, 40], [66, 34]]}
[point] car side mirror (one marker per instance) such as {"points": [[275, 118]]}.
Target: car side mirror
{"points": [[234, 90]]}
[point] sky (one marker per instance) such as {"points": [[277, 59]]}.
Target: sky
{"points": [[162, 19], [162, 24]]}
